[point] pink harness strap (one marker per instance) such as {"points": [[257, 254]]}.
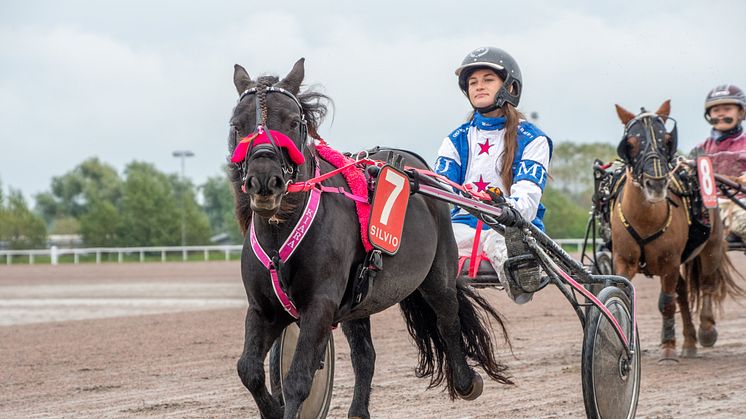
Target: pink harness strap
{"points": [[355, 180], [287, 249], [358, 185]]}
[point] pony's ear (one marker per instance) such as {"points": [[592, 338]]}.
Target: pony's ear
{"points": [[665, 110], [241, 79], [292, 81], [624, 115]]}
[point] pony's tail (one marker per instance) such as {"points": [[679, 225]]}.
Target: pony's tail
{"points": [[724, 283], [476, 337]]}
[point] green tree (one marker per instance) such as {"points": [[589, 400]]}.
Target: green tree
{"points": [[71, 194], [565, 218], [101, 224], [151, 209], [19, 227], [149, 213], [569, 190], [65, 225], [572, 167], [197, 224], [219, 205]]}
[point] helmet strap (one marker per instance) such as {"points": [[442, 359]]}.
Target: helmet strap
{"points": [[502, 96], [487, 109]]}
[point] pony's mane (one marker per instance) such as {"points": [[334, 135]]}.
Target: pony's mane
{"points": [[315, 108], [315, 105]]}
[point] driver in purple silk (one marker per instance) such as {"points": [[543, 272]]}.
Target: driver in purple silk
{"points": [[725, 109], [495, 148]]}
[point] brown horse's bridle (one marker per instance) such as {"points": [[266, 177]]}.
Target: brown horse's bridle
{"points": [[655, 153]]}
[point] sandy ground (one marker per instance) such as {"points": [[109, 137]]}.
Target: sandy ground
{"points": [[137, 340]]}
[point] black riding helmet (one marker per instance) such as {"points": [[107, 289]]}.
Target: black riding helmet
{"points": [[503, 64]]}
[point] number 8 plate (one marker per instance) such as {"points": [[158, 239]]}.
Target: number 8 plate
{"points": [[707, 182]]}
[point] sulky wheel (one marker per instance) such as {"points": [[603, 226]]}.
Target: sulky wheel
{"points": [[318, 401], [602, 266], [605, 265], [611, 381]]}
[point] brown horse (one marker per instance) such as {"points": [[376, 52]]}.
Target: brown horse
{"points": [[650, 230]]}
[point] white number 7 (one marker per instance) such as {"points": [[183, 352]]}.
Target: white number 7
{"points": [[398, 181]]}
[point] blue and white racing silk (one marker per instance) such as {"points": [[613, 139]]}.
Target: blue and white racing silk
{"points": [[472, 154]]}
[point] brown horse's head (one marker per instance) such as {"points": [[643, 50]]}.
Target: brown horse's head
{"points": [[648, 148], [268, 139]]}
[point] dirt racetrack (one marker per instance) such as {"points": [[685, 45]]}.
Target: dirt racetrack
{"points": [[140, 340]]}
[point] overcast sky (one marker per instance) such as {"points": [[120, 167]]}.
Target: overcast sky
{"points": [[136, 80]]}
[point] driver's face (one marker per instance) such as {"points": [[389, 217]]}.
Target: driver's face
{"points": [[483, 86], [721, 112]]}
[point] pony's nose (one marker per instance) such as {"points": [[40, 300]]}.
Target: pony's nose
{"points": [[275, 184], [657, 185], [272, 186], [254, 186]]}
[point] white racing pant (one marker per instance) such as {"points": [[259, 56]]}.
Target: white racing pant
{"points": [[734, 217], [493, 246]]}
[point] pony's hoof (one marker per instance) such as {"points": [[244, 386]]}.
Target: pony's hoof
{"points": [[689, 353], [707, 337], [477, 385], [668, 356]]}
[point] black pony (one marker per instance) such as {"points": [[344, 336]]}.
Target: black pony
{"points": [[443, 316]]}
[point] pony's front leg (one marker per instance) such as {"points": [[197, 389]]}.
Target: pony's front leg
{"points": [[708, 333], [259, 336], [690, 336], [363, 357], [667, 308], [315, 328]]}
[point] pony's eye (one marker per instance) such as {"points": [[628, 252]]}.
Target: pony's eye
{"points": [[294, 124]]}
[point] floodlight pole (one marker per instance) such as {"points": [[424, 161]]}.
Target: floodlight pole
{"points": [[183, 154]]}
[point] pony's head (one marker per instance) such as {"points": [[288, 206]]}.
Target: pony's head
{"points": [[269, 134], [648, 148]]}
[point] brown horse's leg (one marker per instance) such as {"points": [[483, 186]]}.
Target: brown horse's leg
{"points": [[667, 307], [708, 333], [624, 268], [690, 336], [711, 268]]}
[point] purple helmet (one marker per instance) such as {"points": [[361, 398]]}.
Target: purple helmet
{"points": [[724, 94]]}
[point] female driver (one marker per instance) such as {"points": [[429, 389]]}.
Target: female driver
{"points": [[496, 148]]}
